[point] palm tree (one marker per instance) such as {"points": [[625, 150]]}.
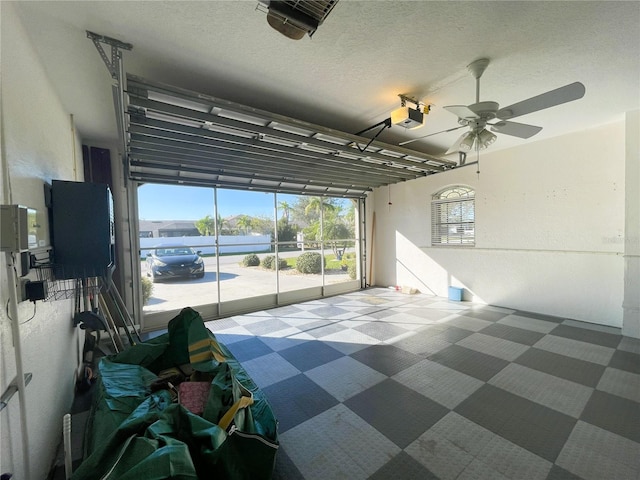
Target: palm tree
{"points": [[206, 226], [222, 223], [316, 204], [245, 222], [286, 208]]}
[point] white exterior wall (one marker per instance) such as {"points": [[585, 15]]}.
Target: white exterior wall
{"points": [[227, 243], [38, 144], [550, 226]]}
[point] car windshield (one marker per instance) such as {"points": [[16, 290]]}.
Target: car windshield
{"points": [[169, 251]]}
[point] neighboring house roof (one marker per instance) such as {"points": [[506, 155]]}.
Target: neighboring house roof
{"points": [[157, 226]]}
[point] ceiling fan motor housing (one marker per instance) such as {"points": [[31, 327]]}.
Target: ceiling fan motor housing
{"points": [[485, 110]]}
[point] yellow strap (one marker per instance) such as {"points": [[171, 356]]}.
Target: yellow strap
{"points": [[226, 420], [211, 349]]}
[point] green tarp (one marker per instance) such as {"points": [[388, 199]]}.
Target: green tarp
{"points": [[136, 434]]}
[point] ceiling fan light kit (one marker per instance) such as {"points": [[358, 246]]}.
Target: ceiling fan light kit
{"points": [[470, 139], [486, 138]]}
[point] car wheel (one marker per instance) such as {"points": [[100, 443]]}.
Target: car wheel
{"points": [[200, 275], [153, 277]]}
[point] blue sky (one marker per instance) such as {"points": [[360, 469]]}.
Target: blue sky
{"points": [[168, 202]]}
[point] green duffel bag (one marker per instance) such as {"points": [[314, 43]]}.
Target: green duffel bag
{"points": [[136, 433]]}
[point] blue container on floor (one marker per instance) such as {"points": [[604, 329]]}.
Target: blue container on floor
{"points": [[455, 294]]}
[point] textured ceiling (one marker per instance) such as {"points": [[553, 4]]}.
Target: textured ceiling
{"points": [[348, 75]]}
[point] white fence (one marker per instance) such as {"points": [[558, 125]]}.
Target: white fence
{"points": [[228, 243]]}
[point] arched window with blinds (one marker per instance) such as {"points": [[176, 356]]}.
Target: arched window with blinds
{"points": [[453, 217]]}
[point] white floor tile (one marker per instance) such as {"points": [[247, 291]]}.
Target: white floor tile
{"points": [[553, 392], [337, 444]]}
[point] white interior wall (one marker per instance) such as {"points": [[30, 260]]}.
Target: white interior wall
{"points": [[550, 220], [631, 305], [38, 144]]}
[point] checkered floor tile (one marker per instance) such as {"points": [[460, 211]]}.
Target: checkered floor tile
{"points": [[376, 384]]}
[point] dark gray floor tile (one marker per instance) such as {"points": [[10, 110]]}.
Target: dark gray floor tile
{"points": [[366, 311], [267, 326], [559, 473], [569, 368], [287, 310], [539, 316], [399, 413], [328, 311], [428, 313], [540, 430], [221, 324], [309, 355], [315, 325], [625, 361], [376, 299], [336, 300], [382, 314], [447, 333], [535, 427], [485, 407], [475, 364], [386, 359], [514, 334], [403, 467], [616, 414], [593, 326], [231, 338], [326, 330], [285, 469], [589, 336], [297, 399], [249, 349], [485, 314], [422, 300], [381, 330], [629, 344]]}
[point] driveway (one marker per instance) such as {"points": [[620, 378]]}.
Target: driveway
{"points": [[236, 282]]}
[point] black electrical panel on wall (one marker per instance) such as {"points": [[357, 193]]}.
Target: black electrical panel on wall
{"points": [[83, 229]]}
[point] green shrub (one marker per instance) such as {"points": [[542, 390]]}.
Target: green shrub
{"points": [[147, 290], [286, 231], [351, 270], [270, 262], [309, 262], [251, 260]]}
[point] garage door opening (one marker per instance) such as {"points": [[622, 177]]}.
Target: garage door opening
{"points": [[224, 251]]}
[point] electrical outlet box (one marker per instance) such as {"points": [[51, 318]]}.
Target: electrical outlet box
{"points": [[20, 229]]}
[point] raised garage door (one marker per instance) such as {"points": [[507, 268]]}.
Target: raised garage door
{"points": [[177, 136]]}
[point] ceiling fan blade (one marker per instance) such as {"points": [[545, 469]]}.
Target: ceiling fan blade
{"points": [[461, 111], [561, 95], [406, 142], [456, 145], [520, 130]]}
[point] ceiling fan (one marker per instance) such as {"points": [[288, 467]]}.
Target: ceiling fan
{"points": [[480, 115]]}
